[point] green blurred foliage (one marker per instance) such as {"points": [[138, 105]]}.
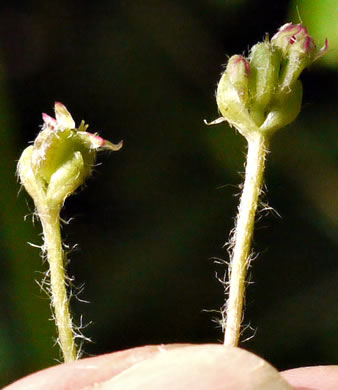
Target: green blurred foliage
{"points": [[154, 217]]}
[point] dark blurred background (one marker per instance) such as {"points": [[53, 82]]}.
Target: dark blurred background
{"points": [[154, 217]]}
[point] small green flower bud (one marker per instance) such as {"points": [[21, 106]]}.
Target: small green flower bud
{"points": [[27, 177], [298, 51], [238, 71], [264, 66], [263, 93], [283, 110], [61, 158], [232, 94]]}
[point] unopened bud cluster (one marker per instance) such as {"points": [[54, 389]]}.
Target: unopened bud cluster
{"points": [[262, 93], [60, 159]]}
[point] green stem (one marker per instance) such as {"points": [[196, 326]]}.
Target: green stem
{"points": [[241, 240], [50, 221]]}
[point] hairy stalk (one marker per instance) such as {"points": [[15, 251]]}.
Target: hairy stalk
{"points": [[241, 241], [259, 95], [50, 221], [52, 169]]}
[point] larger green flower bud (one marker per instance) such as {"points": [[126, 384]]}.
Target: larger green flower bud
{"points": [[60, 159], [264, 73], [263, 93], [298, 51]]}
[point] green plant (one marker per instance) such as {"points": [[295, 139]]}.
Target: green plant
{"points": [[258, 96], [51, 169]]}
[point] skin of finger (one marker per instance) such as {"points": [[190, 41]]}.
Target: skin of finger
{"points": [[313, 378], [199, 367], [84, 372]]}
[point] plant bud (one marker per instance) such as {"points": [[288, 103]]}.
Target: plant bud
{"points": [[263, 93], [238, 71], [298, 52], [264, 65], [232, 94], [283, 110], [61, 158]]}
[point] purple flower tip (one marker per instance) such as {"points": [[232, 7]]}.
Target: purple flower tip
{"points": [[245, 62], [294, 38], [49, 121]]}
